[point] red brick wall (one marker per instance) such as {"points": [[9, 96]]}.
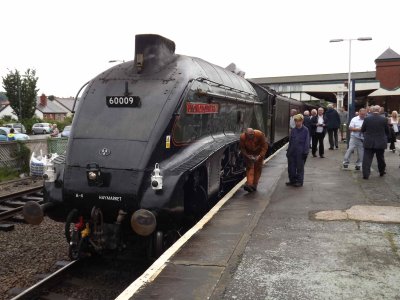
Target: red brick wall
{"points": [[388, 73]]}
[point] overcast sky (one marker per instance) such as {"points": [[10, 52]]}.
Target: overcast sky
{"points": [[70, 42]]}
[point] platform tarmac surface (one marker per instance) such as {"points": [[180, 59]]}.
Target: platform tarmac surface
{"points": [[270, 245]]}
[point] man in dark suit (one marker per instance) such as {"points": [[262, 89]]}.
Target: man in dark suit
{"points": [[375, 129], [332, 125]]}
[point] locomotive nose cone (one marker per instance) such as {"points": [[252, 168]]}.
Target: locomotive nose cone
{"points": [[33, 213], [143, 222]]}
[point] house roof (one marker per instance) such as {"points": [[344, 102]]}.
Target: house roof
{"points": [[67, 103], [51, 108], [389, 54]]}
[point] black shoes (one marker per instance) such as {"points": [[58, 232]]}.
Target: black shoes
{"points": [[314, 155], [249, 188], [365, 177], [337, 147], [322, 156], [330, 148], [357, 168], [382, 173], [345, 166], [295, 184]]}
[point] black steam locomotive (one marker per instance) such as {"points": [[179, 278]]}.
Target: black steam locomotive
{"points": [[154, 142]]}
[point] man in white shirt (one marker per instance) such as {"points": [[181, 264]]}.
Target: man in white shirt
{"points": [[356, 140]]}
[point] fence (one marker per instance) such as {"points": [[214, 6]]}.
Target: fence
{"points": [[8, 150]]}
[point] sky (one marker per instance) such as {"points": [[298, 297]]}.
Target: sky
{"points": [[70, 42]]}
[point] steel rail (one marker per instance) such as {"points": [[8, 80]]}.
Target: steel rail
{"points": [[34, 291]]}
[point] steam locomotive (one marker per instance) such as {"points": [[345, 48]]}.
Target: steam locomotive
{"points": [[154, 142]]}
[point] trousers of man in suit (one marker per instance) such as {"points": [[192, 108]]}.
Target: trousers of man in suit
{"points": [[367, 161], [318, 140], [333, 138], [375, 129]]}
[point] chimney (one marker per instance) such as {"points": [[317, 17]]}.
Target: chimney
{"points": [[152, 52], [43, 100]]}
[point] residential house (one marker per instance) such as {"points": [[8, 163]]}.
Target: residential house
{"points": [[66, 103], [7, 111], [47, 109]]}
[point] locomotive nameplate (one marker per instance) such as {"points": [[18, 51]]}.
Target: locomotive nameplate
{"points": [[193, 108], [123, 101]]}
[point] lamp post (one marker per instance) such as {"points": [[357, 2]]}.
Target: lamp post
{"points": [[19, 99], [349, 95], [350, 106], [19, 95]]}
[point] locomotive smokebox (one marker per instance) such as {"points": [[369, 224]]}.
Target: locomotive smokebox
{"points": [[152, 52]]}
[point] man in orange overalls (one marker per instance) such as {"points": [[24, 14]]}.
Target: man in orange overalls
{"points": [[253, 147]]}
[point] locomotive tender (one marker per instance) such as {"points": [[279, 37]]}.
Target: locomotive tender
{"points": [[153, 142]]}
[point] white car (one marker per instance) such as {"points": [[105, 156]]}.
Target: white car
{"points": [[4, 131], [18, 127], [41, 128]]}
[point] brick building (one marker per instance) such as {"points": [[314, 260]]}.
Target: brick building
{"points": [[388, 74]]}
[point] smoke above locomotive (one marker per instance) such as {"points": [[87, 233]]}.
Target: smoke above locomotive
{"points": [[154, 142]]}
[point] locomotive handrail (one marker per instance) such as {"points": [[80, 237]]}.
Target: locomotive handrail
{"points": [[230, 98], [223, 85], [76, 97]]}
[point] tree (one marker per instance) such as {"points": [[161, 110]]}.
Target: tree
{"points": [[21, 92]]}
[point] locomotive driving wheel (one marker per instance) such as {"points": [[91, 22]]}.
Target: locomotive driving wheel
{"points": [[72, 218], [161, 241]]}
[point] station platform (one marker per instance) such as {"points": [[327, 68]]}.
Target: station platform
{"points": [[337, 237]]}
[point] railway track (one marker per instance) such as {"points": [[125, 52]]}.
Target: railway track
{"points": [[11, 203], [91, 278]]}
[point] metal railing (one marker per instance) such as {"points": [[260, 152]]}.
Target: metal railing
{"points": [[50, 145]]}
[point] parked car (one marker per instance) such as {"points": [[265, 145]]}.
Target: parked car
{"points": [[18, 127], [41, 128], [66, 131], [4, 131]]}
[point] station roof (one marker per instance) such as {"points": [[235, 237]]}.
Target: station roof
{"points": [[340, 77]]}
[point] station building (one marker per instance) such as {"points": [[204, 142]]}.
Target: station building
{"points": [[381, 87]]}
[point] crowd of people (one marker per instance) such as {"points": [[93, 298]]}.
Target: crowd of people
{"points": [[370, 132]]}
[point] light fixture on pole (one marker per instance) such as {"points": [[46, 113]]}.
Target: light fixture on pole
{"points": [[349, 95], [19, 95]]}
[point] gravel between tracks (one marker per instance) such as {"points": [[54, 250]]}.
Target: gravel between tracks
{"points": [[29, 251]]}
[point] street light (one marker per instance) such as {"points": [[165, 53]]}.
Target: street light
{"points": [[19, 95], [349, 96]]}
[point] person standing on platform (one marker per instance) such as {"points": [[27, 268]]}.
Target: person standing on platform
{"points": [[292, 124], [356, 140], [393, 130], [312, 128], [307, 121], [375, 129], [343, 122], [253, 147], [332, 125], [318, 123], [297, 152]]}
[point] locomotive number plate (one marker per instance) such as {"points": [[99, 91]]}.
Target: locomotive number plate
{"points": [[123, 101]]}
